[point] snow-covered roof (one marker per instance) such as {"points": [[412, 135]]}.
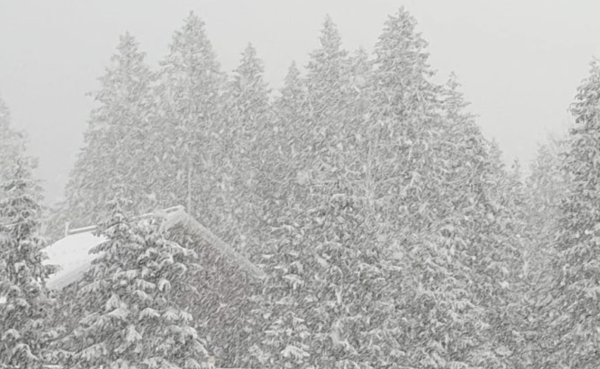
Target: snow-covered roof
{"points": [[71, 255]]}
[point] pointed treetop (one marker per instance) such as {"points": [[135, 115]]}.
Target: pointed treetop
{"points": [[250, 66], [127, 41], [401, 46], [193, 24], [327, 66], [292, 92], [248, 79], [331, 44], [292, 80], [293, 74], [586, 107], [191, 59], [330, 36], [249, 52], [192, 36], [127, 50], [126, 65]]}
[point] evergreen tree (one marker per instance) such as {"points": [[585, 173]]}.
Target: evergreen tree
{"points": [[326, 78], [488, 202], [402, 124], [545, 188], [569, 335], [132, 318], [190, 121], [247, 143], [24, 315], [117, 139], [291, 99], [12, 143], [430, 182], [285, 182], [326, 110], [293, 131]]}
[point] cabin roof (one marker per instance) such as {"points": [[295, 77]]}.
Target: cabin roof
{"points": [[72, 256], [72, 253]]}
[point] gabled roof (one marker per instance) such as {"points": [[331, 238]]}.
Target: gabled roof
{"points": [[71, 254]]}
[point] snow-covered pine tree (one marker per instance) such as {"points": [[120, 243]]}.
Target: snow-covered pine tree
{"points": [[289, 141], [291, 122], [12, 143], [326, 110], [403, 125], [545, 187], [25, 311], [430, 179], [482, 210], [287, 185], [569, 336], [189, 122], [248, 145], [132, 319], [289, 104], [117, 141], [326, 81]]}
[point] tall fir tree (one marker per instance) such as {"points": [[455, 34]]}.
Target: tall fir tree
{"points": [[190, 121], [248, 144], [402, 123], [326, 79], [326, 109], [27, 307], [292, 135], [568, 336], [546, 187], [117, 139], [428, 182], [287, 157], [12, 143]]}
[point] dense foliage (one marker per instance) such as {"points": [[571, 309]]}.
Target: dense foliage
{"points": [[131, 317], [26, 306], [391, 232]]}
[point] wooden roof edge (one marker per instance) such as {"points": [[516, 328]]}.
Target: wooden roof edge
{"points": [[163, 212], [193, 227], [177, 216]]}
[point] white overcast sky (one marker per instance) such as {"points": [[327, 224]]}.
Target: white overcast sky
{"points": [[520, 61]]}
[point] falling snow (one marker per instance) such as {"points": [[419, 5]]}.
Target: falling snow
{"points": [[356, 217]]}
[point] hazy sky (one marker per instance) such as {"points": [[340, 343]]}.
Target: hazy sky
{"points": [[520, 62]]}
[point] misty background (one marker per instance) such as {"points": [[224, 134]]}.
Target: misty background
{"points": [[519, 62]]}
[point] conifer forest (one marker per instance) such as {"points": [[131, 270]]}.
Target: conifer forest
{"points": [[358, 219]]}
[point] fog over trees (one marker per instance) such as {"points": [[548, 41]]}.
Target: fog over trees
{"points": [[355, 218]]}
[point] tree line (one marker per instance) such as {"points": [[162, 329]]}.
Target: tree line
{"points": [[391, 232]]}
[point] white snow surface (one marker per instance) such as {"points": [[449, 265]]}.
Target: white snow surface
{"points": [[71, 255]]}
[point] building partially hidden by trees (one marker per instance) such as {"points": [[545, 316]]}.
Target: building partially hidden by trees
{"points": [[106, 274]]}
